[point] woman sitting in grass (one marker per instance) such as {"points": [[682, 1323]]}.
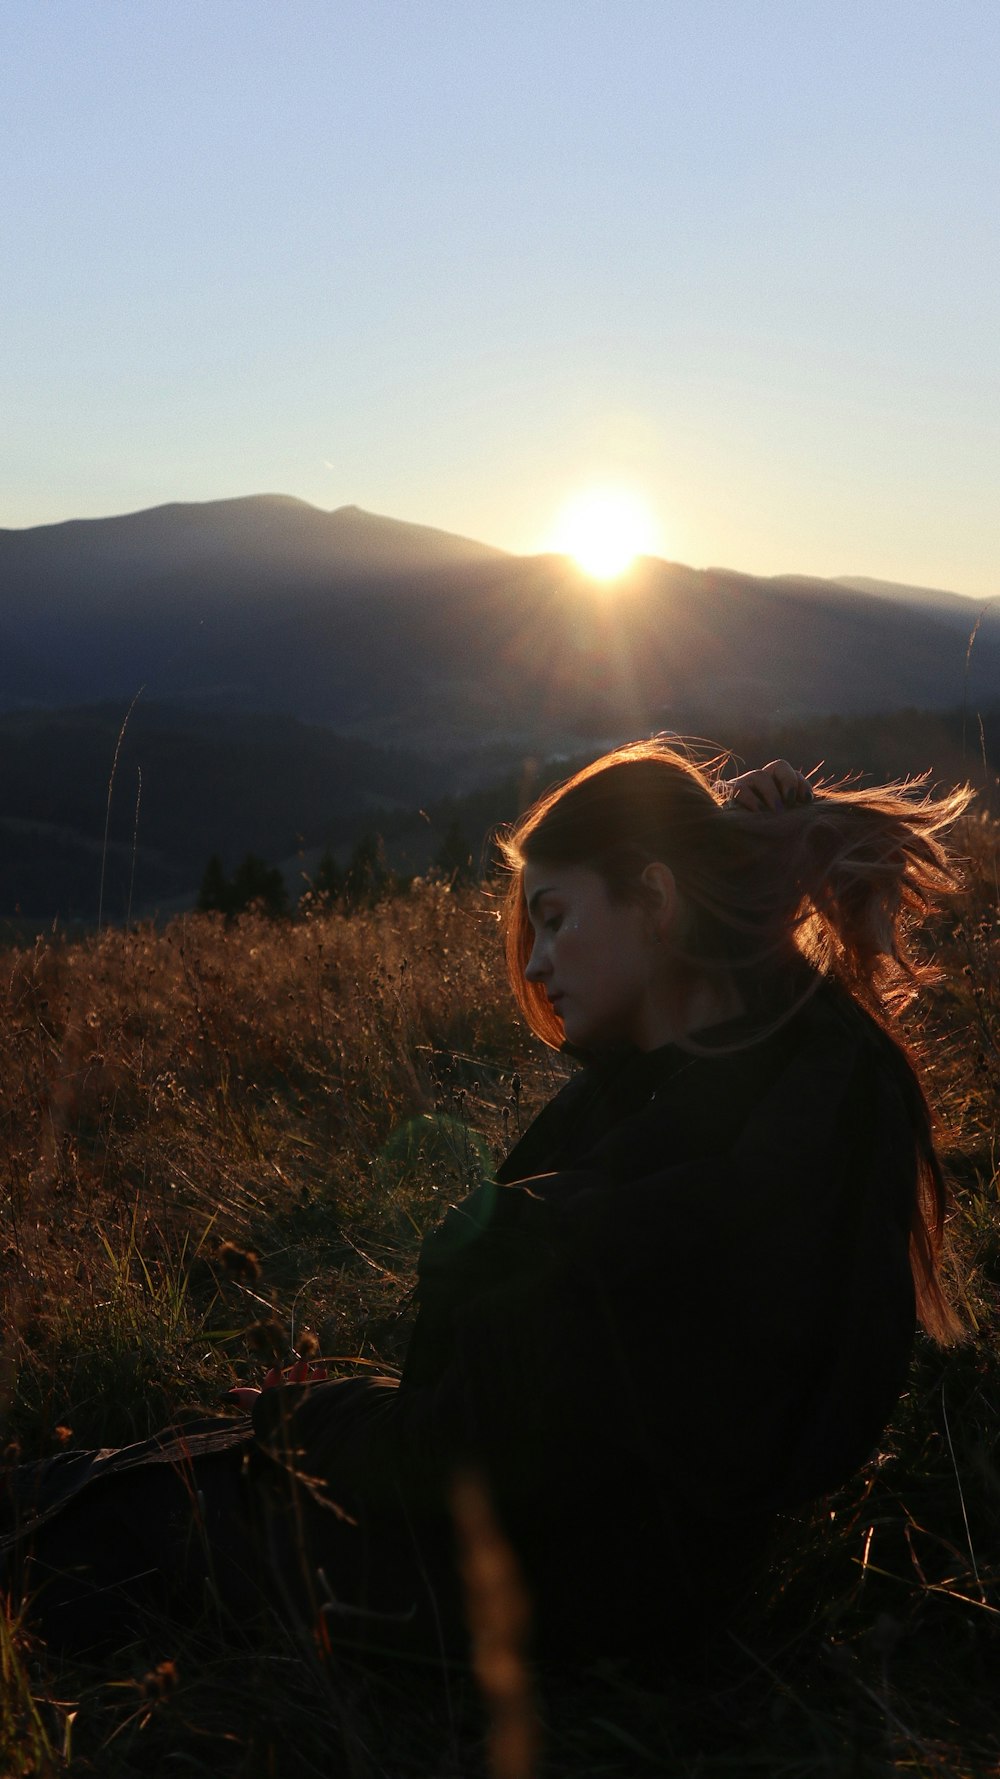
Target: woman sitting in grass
{"points": [[686, 1305]]}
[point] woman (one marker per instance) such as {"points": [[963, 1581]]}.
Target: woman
{"points": [[686, 1305]]}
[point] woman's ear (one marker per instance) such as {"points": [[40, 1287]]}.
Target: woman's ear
{"points": [[662, 900]]}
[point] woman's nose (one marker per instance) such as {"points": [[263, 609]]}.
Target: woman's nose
{"points": [[537, 964]]}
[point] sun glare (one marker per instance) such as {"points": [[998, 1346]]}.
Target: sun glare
{"points": [[604, 530]]}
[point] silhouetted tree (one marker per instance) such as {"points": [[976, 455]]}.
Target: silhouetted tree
{"points": [[257, 885], [368, 877], [454, 856], [327, 882], [216, 892]]}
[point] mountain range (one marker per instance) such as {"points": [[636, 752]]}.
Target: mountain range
{"points": [[397, 632], [258, 674]]}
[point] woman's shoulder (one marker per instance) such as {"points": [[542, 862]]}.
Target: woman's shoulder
{"points": [[831, 1049], [561, 1129], [628, 1112]]}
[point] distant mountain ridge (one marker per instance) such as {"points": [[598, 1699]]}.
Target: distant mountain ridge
{"points": [[401, 633], [267, 533], [902, 590]]}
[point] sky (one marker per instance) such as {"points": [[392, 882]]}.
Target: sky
{"points": [[455, 261]]}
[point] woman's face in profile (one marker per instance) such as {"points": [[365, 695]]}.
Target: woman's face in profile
{"points": [[597, 959]]}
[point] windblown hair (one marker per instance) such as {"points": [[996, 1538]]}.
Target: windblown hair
{"points": [[779, 901]]}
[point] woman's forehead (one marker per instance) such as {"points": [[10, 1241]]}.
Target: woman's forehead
{"points": [[539, 879]]}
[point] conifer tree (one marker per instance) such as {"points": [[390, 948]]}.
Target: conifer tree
{"points": [[216, 892], [454, 856], [328, 879], [257, 884], [368, 876]]}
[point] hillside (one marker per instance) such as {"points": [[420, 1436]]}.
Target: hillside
{"points": [[191, 783], [393, 632], [186, 784]]}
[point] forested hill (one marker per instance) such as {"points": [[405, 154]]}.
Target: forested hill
{"points": [[182, 785]]}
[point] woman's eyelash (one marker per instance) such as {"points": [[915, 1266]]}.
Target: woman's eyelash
{"points": [[552, 923]]}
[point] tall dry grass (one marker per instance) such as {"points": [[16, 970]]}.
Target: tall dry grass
{"points": [[277, 1088], [221, 1145]]}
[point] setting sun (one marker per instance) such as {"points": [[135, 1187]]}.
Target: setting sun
{"points": [[604, 529]]}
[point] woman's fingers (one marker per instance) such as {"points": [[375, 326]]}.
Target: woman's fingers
{"points": [[775, 786], [244, 1394], [757, 795], [304, 1371], [792, 786]]}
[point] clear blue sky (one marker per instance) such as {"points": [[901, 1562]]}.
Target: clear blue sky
{"points": [[452, 259]]}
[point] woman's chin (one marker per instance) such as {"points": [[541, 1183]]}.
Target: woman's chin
{"points": [[580, 1035]]}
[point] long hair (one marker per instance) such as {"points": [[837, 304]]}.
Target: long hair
{"points": [[777, 901]]}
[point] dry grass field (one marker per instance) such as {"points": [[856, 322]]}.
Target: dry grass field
{"points": [[221, 1145]]}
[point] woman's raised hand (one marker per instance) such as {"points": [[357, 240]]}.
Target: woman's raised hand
{"points": [[775, 786], [302, 1372]]}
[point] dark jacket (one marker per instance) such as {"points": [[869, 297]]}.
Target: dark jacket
{"points": [[685, 1306]]}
